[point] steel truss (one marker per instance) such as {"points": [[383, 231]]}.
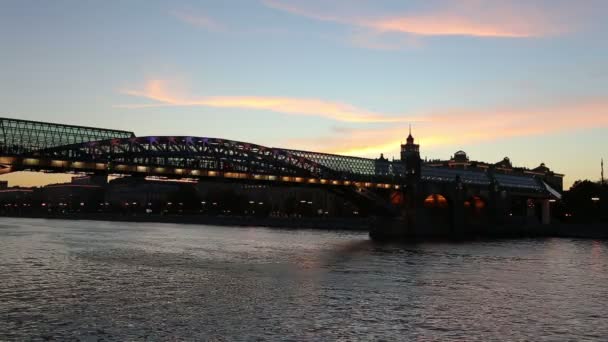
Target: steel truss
{"points": [[192, 153], [22, 136], [352, 165]]}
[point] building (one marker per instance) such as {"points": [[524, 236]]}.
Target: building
{"points": [[460, 160], [382, 165], [410, 156], [139, 192], [15, 199], [81, 194], [556, 180], [265, 200]]}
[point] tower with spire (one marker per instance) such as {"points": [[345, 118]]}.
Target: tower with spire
{"points": [[410, 155]]}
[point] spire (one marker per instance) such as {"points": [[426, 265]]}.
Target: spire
{"points": [[410, 138], [602, 171]]}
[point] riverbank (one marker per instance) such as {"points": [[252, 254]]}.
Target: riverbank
{"points": [[561, 230], [392, 229], [591, 230], [354, 224]]}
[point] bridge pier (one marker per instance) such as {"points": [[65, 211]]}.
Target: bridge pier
{"points": [[545, 207], [457, 224]]}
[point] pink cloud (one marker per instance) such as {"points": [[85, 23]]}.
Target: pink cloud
{"points": [[490, 19], [164, 95]]}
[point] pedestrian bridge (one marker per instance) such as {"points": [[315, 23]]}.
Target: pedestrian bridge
{"points": [[49, 147]]}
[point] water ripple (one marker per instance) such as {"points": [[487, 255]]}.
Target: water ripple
{"points": [[90, 281]]}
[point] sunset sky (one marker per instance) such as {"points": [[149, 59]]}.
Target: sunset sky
{"points": [[523, 79]]}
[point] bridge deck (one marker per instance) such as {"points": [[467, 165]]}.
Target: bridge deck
{"points": [[67, 148]]}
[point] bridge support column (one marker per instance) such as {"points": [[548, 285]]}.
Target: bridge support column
{"points": [[457, 209], [545, 207], [100, 179], [531, 208]]}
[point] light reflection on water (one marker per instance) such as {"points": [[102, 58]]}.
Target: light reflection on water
{"points": [[126, 281]]}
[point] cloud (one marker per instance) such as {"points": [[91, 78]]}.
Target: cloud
{"points": [[447, 25], [462, 127], [382, 41], [490, 19], [434, 129], [197, 20], [159, 91]]}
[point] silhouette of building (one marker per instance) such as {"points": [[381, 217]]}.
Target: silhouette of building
{"points": [[14, 197], [382, 165], [411, 164], [410, 156], [81, 193], [129, 190], [556, 180], [460, 160]]}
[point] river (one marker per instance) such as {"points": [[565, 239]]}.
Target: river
{"points": [[90, 281]]}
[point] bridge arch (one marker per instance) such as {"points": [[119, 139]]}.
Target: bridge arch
{"points": [[475, 210], [186, 152], [436, 201], [437, 209], [475, 202]]}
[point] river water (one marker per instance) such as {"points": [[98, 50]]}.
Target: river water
{"points": [[90, 281]]}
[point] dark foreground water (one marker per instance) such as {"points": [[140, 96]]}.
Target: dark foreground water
{"points": [[69, 280]]}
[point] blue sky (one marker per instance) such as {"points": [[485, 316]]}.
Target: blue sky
{"points": [[524, 79]]}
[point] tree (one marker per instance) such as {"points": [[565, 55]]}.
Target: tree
{"points": [[586, 201]]}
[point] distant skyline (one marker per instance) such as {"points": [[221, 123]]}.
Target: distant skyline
{"points": [[523, 79]]}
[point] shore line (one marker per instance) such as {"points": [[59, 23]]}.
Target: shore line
{"points": [[270, 222], [560, 230]]}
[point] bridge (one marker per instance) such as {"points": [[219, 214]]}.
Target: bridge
{"points": [[399, 186], [47, 147]]}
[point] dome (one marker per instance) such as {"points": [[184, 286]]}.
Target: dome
{"points": [[542, 168], [505, 163], [461, 156]]}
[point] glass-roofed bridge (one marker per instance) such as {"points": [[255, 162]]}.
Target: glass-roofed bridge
{"points": [[49, 147]]}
